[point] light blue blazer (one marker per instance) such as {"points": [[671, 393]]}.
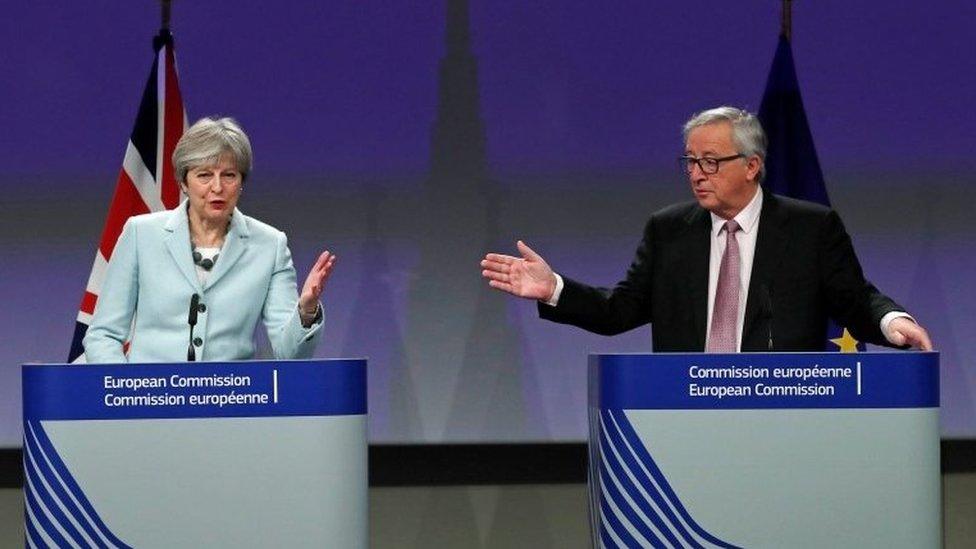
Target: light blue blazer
{"points": [[151, 277]]}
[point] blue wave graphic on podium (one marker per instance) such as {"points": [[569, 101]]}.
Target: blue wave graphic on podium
{"points": [[638, 508], [57, 512]]}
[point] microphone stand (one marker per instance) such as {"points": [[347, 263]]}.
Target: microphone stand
{"points": [[191, 353]]}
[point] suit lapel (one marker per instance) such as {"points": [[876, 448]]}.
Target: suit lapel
{"points": [[234, 246], [697, 243], [177, 238], [770, 248]]}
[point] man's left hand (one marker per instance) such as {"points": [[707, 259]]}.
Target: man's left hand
{"points": [[904, 331]]}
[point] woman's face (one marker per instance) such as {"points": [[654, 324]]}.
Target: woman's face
{"points": [[213, 190]]}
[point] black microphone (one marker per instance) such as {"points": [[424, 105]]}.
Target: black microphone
{"points": [[191, 353], [767, 301]]}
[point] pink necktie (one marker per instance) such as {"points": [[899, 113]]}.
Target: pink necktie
{"points": [[725, 314]]}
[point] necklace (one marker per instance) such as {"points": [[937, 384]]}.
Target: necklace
{"points": [[204, 263]]}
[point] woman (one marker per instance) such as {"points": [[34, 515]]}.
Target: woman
{"points": [[239, 267]]}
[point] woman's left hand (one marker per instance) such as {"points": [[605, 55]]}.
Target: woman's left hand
{"points": [[308, 301]]}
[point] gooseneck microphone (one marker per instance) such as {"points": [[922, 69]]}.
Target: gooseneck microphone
{"points": [[191, 353], [767, 302]]}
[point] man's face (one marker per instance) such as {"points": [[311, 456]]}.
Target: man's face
{"points": [[729, 190]]}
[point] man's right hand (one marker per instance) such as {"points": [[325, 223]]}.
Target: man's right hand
{"points": [[528, 276]]}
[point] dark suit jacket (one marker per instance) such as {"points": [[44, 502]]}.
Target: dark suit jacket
{"points": [[804, 271]]}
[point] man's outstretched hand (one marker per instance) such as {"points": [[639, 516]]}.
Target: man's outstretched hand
{"points": [[528, 276]]}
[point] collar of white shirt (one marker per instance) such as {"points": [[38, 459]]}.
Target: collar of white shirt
{"points": [[747, 219]]}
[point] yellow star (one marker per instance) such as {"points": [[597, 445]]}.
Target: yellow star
{"points": [[846, 342]]}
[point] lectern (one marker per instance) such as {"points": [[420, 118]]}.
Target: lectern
{"points": [[765, 450], [235, 454]]}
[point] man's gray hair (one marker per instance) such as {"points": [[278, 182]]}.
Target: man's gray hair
{"points": [[747, 133], [206, 141]]}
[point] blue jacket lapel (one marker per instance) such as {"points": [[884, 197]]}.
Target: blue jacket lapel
{"points": [[234, 246], [177, 239]]}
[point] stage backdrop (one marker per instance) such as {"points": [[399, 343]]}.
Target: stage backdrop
{"points": [[411, 138]]}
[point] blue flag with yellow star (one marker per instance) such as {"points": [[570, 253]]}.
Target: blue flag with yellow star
{"points": [[792, 168]]}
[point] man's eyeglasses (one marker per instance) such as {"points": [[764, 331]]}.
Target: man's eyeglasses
{"points": [[707, 165]]}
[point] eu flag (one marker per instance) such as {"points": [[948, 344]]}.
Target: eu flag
{"points": [[792, 168]]}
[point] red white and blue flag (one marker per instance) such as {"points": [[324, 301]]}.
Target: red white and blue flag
{"points": [[146, 181]]}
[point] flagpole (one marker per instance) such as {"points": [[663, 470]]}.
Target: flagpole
{"points": [[165, 36], [165, 11], [786, 19]]}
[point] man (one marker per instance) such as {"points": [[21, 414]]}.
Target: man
{"points": [[739, 269]]}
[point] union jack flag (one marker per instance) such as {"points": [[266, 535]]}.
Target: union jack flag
{"points": [[146, 181]]}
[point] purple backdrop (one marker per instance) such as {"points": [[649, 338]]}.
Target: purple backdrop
{"points": [[580, 107]]}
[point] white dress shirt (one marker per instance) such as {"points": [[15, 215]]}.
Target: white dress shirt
{"points": [[748, 220]]}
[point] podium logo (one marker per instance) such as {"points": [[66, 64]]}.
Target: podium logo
{"points": [[57, 512], [638, 508]]}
